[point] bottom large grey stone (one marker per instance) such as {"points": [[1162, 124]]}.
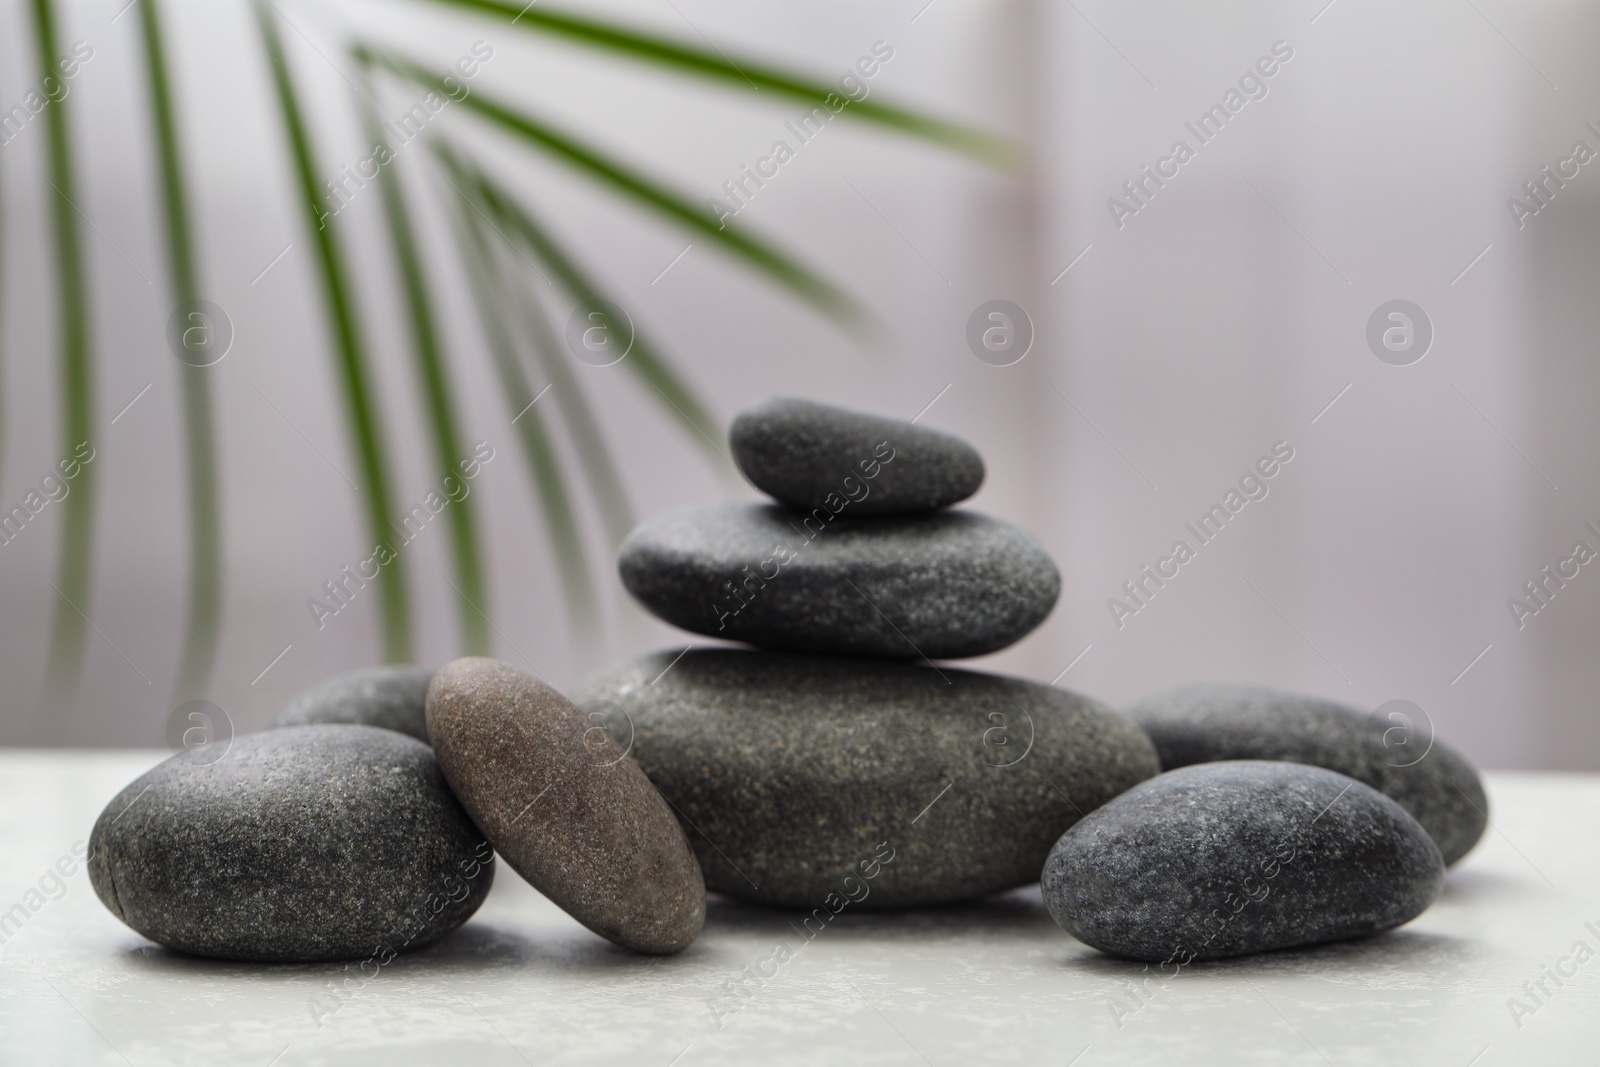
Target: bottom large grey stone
{"points": [[805, 780]]}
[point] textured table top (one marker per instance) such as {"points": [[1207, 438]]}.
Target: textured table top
{"points": [[996, 982]]}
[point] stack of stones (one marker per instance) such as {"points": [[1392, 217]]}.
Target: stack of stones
{"points": [[834, 764], [837, 766]]}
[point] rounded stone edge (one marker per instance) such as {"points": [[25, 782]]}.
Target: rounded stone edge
{"points": [[101, 876], [638, 577], [1055, 865], [1137, 760], [1471, 803], [101, 860], [1477, 799], [297, 713], [967, 461], [667, 946]]}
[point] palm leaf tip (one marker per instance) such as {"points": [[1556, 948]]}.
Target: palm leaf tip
{"points": [[747, 73], [644, 189]]}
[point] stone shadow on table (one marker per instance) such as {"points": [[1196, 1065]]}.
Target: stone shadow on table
{"points": [[1015, 915], [1478, 883], [486, 946], [482, 946], [475, 948], [1409, 958]]}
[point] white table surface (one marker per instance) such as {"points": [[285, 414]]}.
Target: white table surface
{"points": [[996, 982]]}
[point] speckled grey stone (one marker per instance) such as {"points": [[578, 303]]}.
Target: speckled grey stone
{"points": [[565, 806], [303, 844], [807, 455], [941, 586], [1225, 859], [1209, 721], [793, 774], [391, 697]]}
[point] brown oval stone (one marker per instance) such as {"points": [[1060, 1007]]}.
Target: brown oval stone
{"points": [[564, 805]]}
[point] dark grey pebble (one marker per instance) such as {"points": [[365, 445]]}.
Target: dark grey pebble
{"points": [[1225, 859], [1209, 721], [392, 697], [810, 455], [808, 781], [303, 844], [940, 586]]}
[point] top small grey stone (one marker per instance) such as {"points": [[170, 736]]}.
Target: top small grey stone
{"points": [[803, 453], [393, 697], [1206, 722]]}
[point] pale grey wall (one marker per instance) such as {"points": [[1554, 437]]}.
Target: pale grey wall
{"points": [[1190, 340]]}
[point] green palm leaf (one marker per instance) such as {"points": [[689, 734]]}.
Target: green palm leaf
{"points": [[348, 343], [623, 178], [588, 441], [4, 425], [513, 309], [642, 360], [205, 537], [521, 402], [437, 392], [745, 73], [77, 379]]}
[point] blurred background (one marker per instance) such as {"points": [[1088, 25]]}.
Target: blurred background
{"points": [[1177, 338]]}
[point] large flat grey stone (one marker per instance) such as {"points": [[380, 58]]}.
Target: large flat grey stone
{"points": [[808, 780], [940, 586]]}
